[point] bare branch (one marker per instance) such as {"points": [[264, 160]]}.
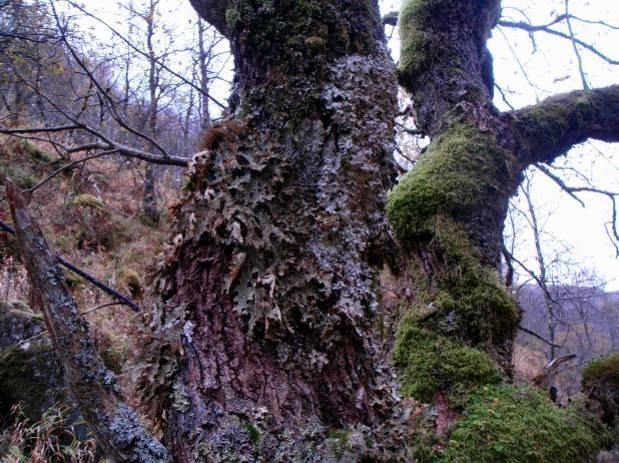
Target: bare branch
{"points": [[534, 334], [115, 294], [545, 28], [143, 53]]}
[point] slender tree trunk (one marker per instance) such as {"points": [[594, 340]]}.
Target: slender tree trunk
{"points": [[150, 209], [117, 427], [203, 65]]}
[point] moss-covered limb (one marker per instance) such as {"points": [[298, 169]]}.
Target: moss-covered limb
{"points": [[444, 62], [464, 175], [449, 211], [549, 129], [503, 423]]}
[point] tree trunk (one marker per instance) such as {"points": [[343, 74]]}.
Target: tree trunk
{"points": [[273, 285], [117, 427], [280, 240], [150, 210]]}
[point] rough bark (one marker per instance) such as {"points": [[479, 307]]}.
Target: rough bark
{"points": [[281, 235], [272, 287], [94, 388]]}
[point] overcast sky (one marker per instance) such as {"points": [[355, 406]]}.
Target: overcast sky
{"points": [[527, 72]]}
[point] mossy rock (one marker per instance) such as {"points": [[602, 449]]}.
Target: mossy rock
{"points": [[506, 424], [130, 279], [89, 201], [429, 363], [600, 381], [29, 372]]}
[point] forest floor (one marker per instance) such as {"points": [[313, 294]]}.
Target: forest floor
{"points": [[91, 217]]}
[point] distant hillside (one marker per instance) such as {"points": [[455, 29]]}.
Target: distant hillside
{"points": [[587, 324]]}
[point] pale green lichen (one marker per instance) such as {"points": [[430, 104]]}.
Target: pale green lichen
{"points": [[88, 200]]}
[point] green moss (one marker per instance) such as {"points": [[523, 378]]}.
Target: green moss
{"points": [[252, 431], [600, 381], [72, 279], [462, 168], [316, 43], [429, 363], [87, 200], [233, 17], [131, 280], [466, 299], [415, 44], [35, 152], [603, 370], [520, 425], [459, 168]]}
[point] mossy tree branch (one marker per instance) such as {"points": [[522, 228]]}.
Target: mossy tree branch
{"points": [[549, 129]]}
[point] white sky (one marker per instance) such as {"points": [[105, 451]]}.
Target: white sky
{"points": [[550, 68]]}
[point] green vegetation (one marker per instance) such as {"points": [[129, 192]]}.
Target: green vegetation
{"points": [[431, 363], [252, 431], [23, 162], [461, 167], [88, 200], [520, 425], [603, 370], [416, 45], [466, 299], [600, 381], [131, 280]]}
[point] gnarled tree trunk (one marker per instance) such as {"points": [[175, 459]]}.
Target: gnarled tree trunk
{"points": [[280, 239], [273, 284]]}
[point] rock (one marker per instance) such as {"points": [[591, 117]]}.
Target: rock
{"points": [[29, 371]]}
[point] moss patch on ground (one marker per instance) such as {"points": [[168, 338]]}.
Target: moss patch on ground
{"points": [[520, 425], [600, 381]]}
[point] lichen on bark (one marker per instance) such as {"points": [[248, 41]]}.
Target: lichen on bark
{"points": [[280, 238]]}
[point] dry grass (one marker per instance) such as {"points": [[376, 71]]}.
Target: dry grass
{"points": [[50, 440]]}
